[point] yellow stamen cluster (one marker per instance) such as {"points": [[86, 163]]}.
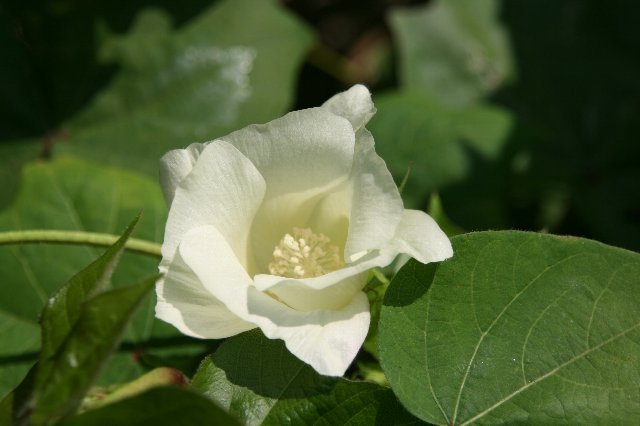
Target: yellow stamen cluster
{"points": [[305, 254]]}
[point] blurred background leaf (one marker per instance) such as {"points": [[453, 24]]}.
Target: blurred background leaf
{"points": [[232, 65], [453, 51], [70, 194], [561, 74], [435, 140]]}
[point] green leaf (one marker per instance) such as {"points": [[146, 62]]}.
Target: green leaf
{"points": [[232, 66], [160, 406], [62, 311], [452, 50], [63, 379], [436, 211], [163, 376], [579, 142], [69, 194], [13, 155], [260, 382], [59, 317], [517, 328], [437, 141]]}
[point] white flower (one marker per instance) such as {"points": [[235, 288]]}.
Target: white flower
{"points": [[276, 225]]}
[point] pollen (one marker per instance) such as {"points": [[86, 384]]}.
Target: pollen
{"points": [[305, 254]]}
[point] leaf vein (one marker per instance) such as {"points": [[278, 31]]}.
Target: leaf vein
{"points": [[550, 373], [494, 322]]}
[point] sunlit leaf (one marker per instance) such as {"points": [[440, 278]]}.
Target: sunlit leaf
{"points": [[517, 328]]}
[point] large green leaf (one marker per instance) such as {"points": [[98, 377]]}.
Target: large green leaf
{"points": [[452, 50], [436, 141], [158, 407], [517, 328], [260, 382], [72, 195], [232, 66], [13, 155]]}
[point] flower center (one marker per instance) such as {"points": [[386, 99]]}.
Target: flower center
{"points": [[305, 254]]}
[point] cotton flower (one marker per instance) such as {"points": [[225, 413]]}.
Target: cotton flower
{"points": [[275, 226]]}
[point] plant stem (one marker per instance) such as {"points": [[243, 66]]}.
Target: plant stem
{"points": [[77, 237]]}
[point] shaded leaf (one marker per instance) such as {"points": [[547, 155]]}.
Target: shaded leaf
{"points": [[231, 66], [436, 141], [452, 50], [572, 162], [12, 155], [516, 328], [163, 376], [260, 382], [436, 211], [160, 406]]}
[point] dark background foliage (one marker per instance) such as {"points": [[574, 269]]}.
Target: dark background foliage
{"points": [[570, 163]]}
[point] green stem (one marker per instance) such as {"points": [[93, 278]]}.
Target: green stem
{"points": [[77, 237]]}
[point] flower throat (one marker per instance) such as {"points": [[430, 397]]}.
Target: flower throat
{"points": [[305, 254]]}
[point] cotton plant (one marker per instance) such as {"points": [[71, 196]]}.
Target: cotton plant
{"points": [[276, 226]]}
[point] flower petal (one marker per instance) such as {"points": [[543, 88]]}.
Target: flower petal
{"points": [[188, 306], [224, 190], [303, 156], [355, 105], [419, 236], [213, 261], [301, 151], [376, 203], [327, 340], [175, 165], [331, 215], [331, 294]]}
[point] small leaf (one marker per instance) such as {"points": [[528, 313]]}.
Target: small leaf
{"points": [[260, 382], [452, 50], [158, 407], [63, 380], [516, 328], [62, 311]]}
